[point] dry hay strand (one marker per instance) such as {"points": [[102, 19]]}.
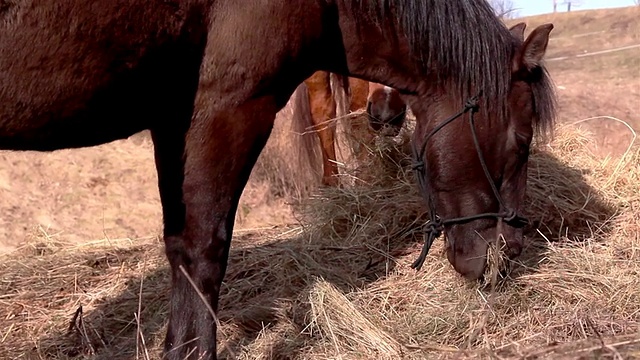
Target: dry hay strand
{"points": [[63, 300], [562, 203], [384, 160], [497, 261], [347, 330], [562, 289], [563, 298]]}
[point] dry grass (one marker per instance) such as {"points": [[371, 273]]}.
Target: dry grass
{"points": [[341, 286], [600, 86], [577, 32], [79, 195]]}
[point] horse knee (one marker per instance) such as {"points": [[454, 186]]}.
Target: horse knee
{"points": [[174, 250]]}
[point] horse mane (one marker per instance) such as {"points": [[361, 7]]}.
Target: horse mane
{"points": [[466, 43], [545, 102]]}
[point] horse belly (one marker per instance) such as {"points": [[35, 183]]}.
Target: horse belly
{"points": [[98, 75]]}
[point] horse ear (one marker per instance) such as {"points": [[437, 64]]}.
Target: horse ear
{"points": [[535, 46], [517, 30]]}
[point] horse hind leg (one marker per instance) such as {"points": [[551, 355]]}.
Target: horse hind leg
{"points": [[323, 113], [362, 138], [362, 135], [221, 149]]}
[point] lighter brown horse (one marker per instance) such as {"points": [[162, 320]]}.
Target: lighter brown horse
{"points": [[324, 98], [207, 78]]}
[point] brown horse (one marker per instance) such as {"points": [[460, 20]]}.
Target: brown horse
{"points": [[208, 77], [325, 97]]}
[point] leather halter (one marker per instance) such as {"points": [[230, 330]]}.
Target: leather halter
{"points": [[435, 225]]}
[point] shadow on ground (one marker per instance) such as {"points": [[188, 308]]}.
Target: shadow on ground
{"points": [[267, 285]]}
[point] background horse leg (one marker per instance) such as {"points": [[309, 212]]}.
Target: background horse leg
{"points": [[361, 135], [221, 149], [323, 113]]}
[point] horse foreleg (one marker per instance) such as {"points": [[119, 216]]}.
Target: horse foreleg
{"points": [[221, 149], [168, 151], [323, 113]]}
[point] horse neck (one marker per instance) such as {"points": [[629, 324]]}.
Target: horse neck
{"points": [[368, 57]]}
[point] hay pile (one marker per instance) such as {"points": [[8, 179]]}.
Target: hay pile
{"points": [[340, 285]]}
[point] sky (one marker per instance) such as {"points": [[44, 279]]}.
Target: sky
{"points": [[536, 7]]}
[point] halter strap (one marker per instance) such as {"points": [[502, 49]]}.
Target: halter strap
{"points": [[433, 228]]}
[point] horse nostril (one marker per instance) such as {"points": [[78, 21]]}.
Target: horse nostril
{"points": [[390, 131], [395, 131], [374, 122]]}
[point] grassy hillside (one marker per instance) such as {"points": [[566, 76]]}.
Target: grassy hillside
{"points": [[596, 85]]}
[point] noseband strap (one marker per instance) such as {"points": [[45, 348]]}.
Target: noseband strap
{"points": [[435, 225]]}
